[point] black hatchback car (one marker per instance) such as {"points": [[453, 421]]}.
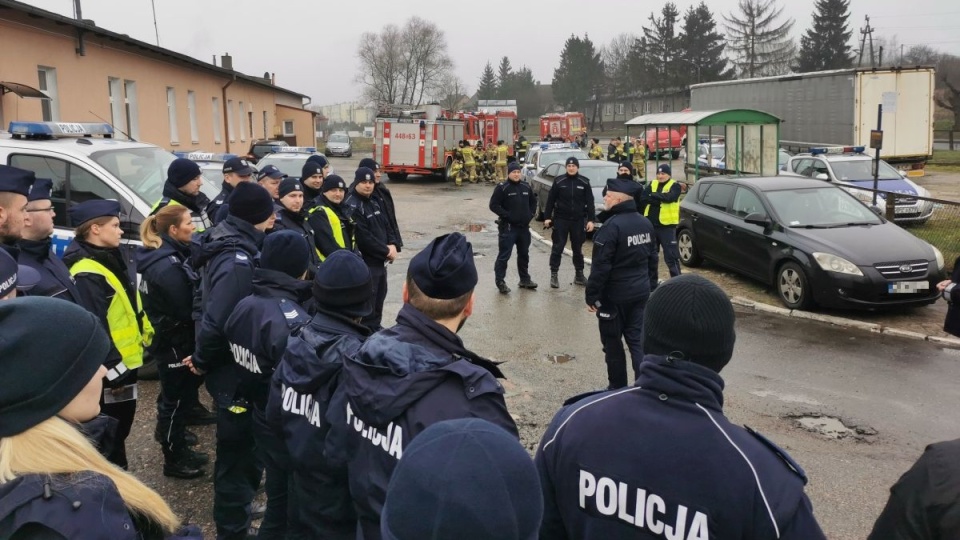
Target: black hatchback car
{"points": [[813, 242]]}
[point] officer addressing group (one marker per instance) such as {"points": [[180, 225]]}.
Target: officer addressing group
{"points": [[570, 211], [621, 277], [514, 203]]}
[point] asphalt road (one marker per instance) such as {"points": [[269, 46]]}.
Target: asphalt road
{"points": [[893, 396]]}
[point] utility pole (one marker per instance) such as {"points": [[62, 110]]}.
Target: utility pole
{"points": [[866, 33], [155, 29]]}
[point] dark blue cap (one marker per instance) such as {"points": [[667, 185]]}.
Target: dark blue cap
{"points": [[311, 168], [664, 168], [272, 171], [333, 182], [14, 275], [182, 171], [513, 166], [466, 479], [623, 185], [285, 251], [319, 159], [88, 210], [238, 165], [445, 268], [288, 186], [342, 284], [15, 180], [42, 189], [363, 174]]}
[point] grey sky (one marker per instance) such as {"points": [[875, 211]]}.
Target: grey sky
{"points": [[315, 54]]}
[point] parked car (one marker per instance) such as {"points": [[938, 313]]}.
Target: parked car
{"points": [[290, 159], [262, 147], [814, 242], [547, 153], [851, 166], [597, 171], [339, 145]]}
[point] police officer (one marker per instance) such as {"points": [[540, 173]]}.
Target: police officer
{"points": [[183, 187], [235, 171], [375, 238], [502, 153], [333, 229], [570, 211], [624, 266], [610, 463], [382, 194], [226, 258], [257, 331], [514, 203], [290, 216], [314, 170], [107, 287], [423, 360], [36, 246], [269, 177], [15, 279], [309, 373], [14, 188], [659, 203], [167, 287]]}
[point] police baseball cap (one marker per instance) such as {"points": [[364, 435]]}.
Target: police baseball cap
{"points": [[12, 275], [237, 166], [88, 210], [15, 180], [272, 171], [41, 190]]}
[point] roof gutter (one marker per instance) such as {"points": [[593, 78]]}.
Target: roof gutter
{"points": [[226, 119]]}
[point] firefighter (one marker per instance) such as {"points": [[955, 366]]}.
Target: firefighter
{"points": [[469, 163], [596, 151], [456, 169], [638, 157], [491, 162], [520, 148], [502, 151]]}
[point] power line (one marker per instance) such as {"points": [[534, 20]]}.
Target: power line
{"points": [[901, 16]]}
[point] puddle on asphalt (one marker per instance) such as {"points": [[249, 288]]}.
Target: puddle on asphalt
{"points": [[832, 427], [788, 398], [474, 227], [560, 358]]}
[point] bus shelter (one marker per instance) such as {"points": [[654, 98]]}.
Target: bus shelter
{"points": [[729, 141]]}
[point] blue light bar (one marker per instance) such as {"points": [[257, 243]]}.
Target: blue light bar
{"points": [[837, 150], [60, 129], [205, 156], [295, 149]]}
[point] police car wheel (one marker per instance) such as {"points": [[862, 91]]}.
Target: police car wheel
{"points": [[793, 287], [689, 255]]}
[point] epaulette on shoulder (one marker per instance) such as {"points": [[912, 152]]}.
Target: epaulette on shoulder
{"points": [[780, 452]]}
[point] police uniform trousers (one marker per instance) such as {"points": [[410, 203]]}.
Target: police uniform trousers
{"points": [[281, 509], [123, 412], [666, 238], [177, 396], [510, 236], [378, 277], [562, 230], [236, 472], [619, 322]]}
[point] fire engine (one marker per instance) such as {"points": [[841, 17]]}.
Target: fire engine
{"points": [[424, 142], [565, 125]]}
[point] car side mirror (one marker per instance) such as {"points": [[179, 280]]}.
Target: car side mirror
{"points": [[758, 218], [822, 176], [530, 166], [903, 174]]}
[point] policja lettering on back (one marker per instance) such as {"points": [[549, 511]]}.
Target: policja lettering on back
{"points": [[613, 498], [302, 404], [245, 358], [391, 442]]}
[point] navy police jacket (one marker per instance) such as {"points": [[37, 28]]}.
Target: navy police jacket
{"points": [[259, 327], [323, 229], [404, 379], [297, 222], [514, 202], [301, 393], [624, 258], [660, 460], [226, 257], [217, 209], [570, 198], [197, 204], [385, 198], [167, 289], [55, 279], [373, 229], [648, 198], [81, 505]]}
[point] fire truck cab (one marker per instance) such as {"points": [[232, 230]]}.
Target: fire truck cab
{"points": [[566, 126]]}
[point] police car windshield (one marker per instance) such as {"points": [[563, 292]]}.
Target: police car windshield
{"points": [[820, 207], [143, 170], [861, 169], [557, 156], [599, 173], [288, 166]]}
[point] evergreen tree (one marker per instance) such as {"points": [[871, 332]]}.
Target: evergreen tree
{"points": [[703, 47], [487, 88], [826, 44], [580, 74], [758, 44], [524, 88], [641, 68], [504, 74], [663, 47]]}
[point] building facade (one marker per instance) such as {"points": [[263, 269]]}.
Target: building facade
{"points": [[148, 93], [611, 111]]}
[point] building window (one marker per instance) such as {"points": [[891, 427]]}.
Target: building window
{"points": [[288, 128], [619, 108], [634, 107], [609, 109], [265, 132], [217, 121], [192, 111], [661, 106], [48, 83], [130, 108], [646, 107], [243, 125], [230, 135], [250, 123], [172, 115], [115, 91]]}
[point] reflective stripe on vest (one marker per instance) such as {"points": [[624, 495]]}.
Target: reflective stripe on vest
{"points": [[335, 226], [201, 221], [669, 212], [122, 319]]}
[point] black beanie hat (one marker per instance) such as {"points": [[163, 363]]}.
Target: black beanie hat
{"points": [[182, 171], [445, 269], [45, 368], [628, 165], [289, 185], [369, 163], [363, 174], [251, 203], [514, 166], [342, 284], [572, 160], [285, 251], [319, 159], [332, 182], [690, 315], [467, 479]]}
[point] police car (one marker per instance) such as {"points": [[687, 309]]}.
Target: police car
{"points": [[211, 167], [546, 153], [290, 159], [849, 165], [85, 162]]}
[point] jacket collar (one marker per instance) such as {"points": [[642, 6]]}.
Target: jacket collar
{"points": [[442, 337], [38, 249], [195, 203], [682, 379], [275, 284], [625, 207]]}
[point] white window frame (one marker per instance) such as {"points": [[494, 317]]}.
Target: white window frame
{"points": [[242, 122], [646, 107], [288, 132], [661, 106], [50, 108], [172, 115], [230, 111], [192, 112], [132, 114], [115, 94], [217, 121], [620, 108]]}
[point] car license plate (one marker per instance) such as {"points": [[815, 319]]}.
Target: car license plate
{"points": [[900, 287], [905, 210]]}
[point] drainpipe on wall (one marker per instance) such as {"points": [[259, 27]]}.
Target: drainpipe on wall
{"points": [[226, 119]]}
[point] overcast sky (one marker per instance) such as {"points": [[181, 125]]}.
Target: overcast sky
{"points": [[312, 44]]}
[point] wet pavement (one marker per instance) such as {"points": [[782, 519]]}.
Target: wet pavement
{"points": [[854, 409]]}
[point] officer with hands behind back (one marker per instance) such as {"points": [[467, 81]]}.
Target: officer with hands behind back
{"points": [[570, 211], [514, 203]]}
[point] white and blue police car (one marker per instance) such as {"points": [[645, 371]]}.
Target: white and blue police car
{"points": [[290, 159], [211, 167]]}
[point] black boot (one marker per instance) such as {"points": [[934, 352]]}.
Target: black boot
{"points": [[527, 283], [580, 279], [190, 438], [554, 280], [198, 415], [502, 287], [181, 468], [192, 457]]}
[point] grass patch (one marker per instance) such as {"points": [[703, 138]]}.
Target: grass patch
{"points": [[360, 144], [945, 157], [943, 231]]}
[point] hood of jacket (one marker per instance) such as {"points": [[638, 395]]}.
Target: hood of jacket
{"points": [[231, 233], [275, 284], [196, 203], [682, 379], [319, 349]]}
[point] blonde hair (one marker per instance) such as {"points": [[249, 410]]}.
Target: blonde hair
{"points": [[160, 223], [83, 230], [56, 447]]}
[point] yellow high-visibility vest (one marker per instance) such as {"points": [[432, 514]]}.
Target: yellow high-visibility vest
{"points": [[467, 157], [123, 320], [201, 220], [335, 226], [669, 212]]}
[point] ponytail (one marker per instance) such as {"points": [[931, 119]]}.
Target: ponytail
{"points": [[160, 223]]}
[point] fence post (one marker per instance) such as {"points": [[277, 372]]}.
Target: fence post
{"points": [[891, 210]]}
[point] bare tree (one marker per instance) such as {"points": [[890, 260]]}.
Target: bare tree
{"points": [[450, 92], [616, 62], [759, 45], [403, 66], [948, 74]]}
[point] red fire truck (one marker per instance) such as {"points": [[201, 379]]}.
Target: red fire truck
{"points": [[566, 126]]}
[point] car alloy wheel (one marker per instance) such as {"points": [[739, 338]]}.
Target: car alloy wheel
{"points": [[793, 287], [689, 255]]}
